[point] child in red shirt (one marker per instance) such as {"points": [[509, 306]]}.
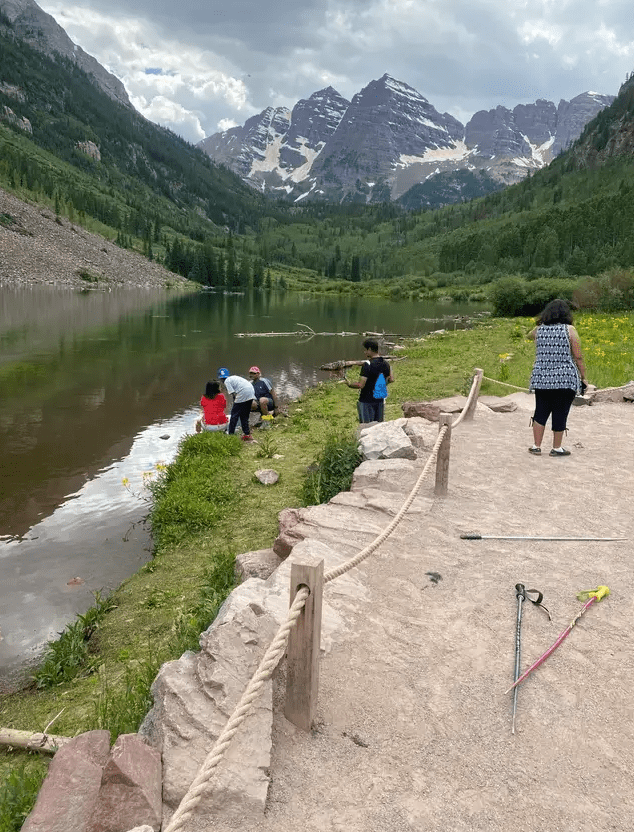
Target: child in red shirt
{"points": [[213, 404]]}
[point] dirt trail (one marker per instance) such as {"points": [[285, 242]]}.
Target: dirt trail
{"points": [[414, 726]]}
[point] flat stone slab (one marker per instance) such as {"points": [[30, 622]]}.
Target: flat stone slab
{"points": [[499, 404]]}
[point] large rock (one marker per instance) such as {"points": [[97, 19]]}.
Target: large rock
{"points": [[386, 440], [395, 475], [258, 564], [131, 788], [431, 410], [499, 404], [193, 698], [422, 433], [69, 794], [615, 394]]}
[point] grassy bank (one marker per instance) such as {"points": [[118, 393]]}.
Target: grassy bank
{"points": [[209, 507]]}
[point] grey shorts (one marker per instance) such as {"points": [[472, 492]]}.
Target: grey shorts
{"points": [[370, 411]]}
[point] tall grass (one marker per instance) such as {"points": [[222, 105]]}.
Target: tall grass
{"points": [[332, 470]]}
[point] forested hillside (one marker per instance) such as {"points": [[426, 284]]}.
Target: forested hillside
{"points": [[64, 138], [98, 163]]}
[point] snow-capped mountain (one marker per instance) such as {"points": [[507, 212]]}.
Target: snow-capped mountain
{"points": [[390, 138], [279, 145]]}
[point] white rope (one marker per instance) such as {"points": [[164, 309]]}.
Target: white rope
{"points": [[505, 384], [387, 531]]}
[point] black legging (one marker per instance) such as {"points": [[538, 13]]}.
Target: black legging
{"points": [[240, 410], [557, 402]]}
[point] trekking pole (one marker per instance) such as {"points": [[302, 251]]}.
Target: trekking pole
{"points": [[590, 596], [522, 594], [476, 536]]}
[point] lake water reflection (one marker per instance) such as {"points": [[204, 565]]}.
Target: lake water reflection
{"points": [[91, 383]]}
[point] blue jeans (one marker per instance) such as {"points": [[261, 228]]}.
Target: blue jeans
{"points": [[240, 410], [370, 411]]}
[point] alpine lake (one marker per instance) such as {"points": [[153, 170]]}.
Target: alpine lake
{"points": [[97, 387]]}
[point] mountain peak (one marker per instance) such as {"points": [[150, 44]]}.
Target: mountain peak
{"points": [[42, 32]]}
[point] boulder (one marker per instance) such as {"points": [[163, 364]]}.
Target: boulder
{"points": [[394, 475], [422, 433], [615, 394], [131, 788], [193, 698], [258, 564], [499, 404], [70, 791], [386, 440], [431, 410], [284, 542], [267, 476]]}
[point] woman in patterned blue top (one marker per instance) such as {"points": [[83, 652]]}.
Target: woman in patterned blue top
{"points": [[558, 373]]}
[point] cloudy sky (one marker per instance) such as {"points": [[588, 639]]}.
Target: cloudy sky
{"points": [[199, 66]]}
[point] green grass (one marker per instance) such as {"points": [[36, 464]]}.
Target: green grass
{"points": [[209, 507]]}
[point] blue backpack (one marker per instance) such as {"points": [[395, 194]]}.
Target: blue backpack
{"points": [[380, 387]]}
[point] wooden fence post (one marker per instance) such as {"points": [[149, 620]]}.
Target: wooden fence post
{"points": [[477, 381], [442, 460], [302, 657]]}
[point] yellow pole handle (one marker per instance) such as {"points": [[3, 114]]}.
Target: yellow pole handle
{"points": [[599, 593]]}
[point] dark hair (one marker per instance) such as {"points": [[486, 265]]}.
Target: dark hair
{"points": [[212, 389], [371, 344], [556, 312]]}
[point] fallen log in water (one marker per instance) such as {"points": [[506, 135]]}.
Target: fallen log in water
{"points": [[335, 366]]}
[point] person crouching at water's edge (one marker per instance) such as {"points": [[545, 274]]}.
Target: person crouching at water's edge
{"points": [[242, 395], [213, 404], [265, 397], [373, 388]]}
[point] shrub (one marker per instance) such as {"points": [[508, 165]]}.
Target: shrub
{"points": [[514, 297], [610, 292], [332, 470]]}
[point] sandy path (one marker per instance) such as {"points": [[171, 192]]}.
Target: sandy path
{"points": [[414, 727]]}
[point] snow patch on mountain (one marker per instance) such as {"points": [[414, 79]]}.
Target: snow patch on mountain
{"points": [[454, 153]]}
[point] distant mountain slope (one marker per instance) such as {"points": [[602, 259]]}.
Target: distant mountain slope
{"points": [[389, 138], [134, 171], [42, 32]]}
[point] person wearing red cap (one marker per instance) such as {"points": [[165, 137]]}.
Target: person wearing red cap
{"points": [[265, 399]]}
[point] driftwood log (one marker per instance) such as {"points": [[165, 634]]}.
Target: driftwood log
{"points": [[46, 743], [337, 366]]}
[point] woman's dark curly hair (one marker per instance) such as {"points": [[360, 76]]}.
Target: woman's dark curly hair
{"points": [[556, 312], [212, 388]]}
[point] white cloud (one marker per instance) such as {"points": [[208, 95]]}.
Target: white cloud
{"points": [[222, 62]]}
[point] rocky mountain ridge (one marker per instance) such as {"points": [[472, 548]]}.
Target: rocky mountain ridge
{"points": [[41, 31], [389, 138]]}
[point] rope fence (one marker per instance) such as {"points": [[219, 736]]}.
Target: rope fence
{"points": [[300, 632], [506, 384]]}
